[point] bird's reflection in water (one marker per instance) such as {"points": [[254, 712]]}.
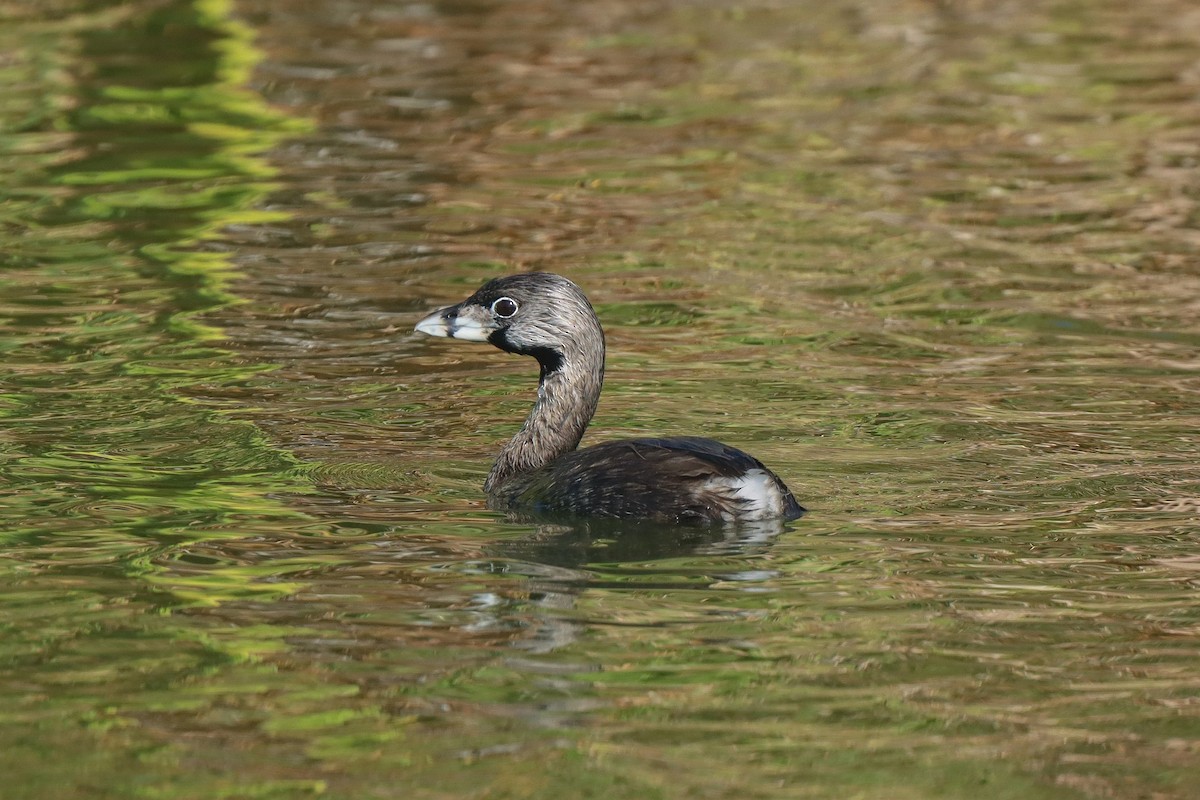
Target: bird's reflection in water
{"points": [[560, 560], [575, 544]]}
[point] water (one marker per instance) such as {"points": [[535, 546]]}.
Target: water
{"points": [[933, 264]]}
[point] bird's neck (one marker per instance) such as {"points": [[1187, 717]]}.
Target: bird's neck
{"points": [[568, 392]]}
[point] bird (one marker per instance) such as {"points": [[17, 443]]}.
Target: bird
{"points": [[683, 480]]}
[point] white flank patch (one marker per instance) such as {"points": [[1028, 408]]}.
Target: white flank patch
{"points": [[758, 493]]}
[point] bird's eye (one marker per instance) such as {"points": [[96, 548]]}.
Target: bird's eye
{"points": [[504, 307]]}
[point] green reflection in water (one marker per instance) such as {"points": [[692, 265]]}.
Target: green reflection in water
{"points": [[127, 141]]}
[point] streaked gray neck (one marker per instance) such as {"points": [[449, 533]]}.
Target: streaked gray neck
{"points": [[566, 401]]}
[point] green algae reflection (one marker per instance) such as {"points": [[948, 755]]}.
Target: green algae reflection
{"points": [[119, 165]]}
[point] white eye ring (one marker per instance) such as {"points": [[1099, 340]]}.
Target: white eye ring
{"points": [[505, 307]]}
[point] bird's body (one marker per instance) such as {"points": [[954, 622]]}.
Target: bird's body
{"points": [[686, 479], [709, 482]]}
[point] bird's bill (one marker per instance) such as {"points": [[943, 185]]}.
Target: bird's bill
{"points": [[469, 323]]}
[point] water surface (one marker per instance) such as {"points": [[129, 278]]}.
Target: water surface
{"points": [[935, 264]]}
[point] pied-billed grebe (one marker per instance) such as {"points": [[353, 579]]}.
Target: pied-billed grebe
{"points": [[683, 479]]}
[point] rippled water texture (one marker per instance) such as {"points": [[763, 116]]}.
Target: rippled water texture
{"points": [[936, 263]]}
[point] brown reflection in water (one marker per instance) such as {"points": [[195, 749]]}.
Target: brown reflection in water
{"points": [[950, 229], [963, 230]]}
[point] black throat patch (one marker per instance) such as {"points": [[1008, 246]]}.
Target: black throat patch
{"points": [[549, 359]]}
